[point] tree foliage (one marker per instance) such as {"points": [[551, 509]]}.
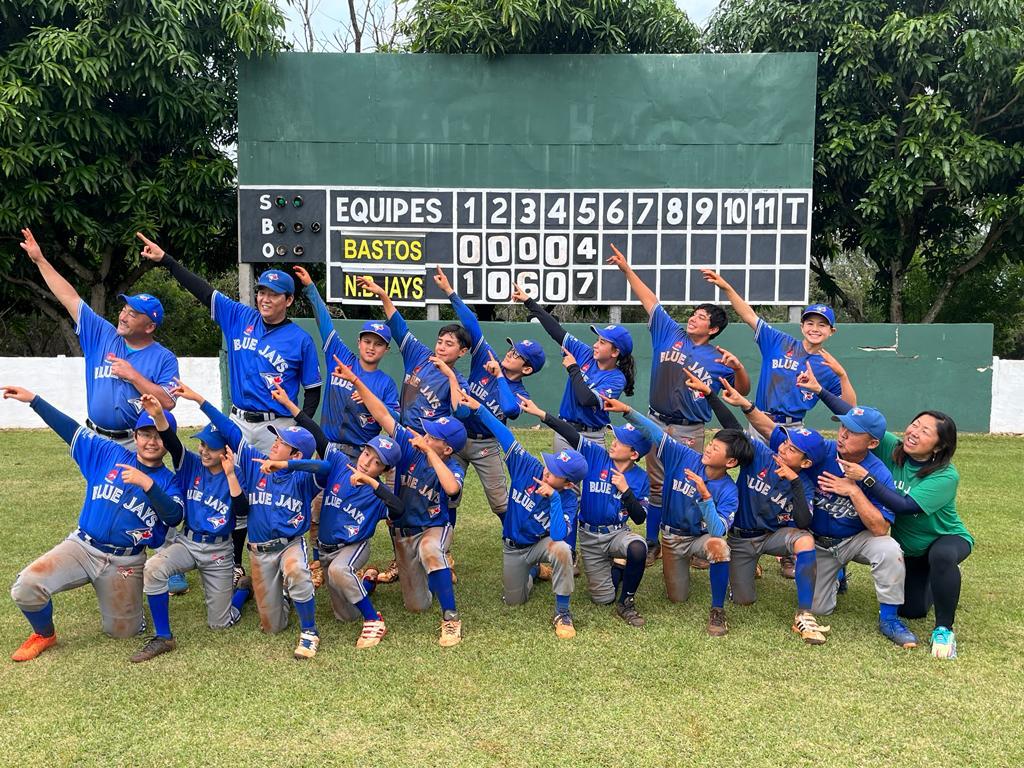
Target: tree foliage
{"points": [[919, 159], [116, 117], [550, 26]]}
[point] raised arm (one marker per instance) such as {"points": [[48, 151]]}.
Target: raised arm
{"points": [[191, 282], [721, 410], [62, 290], [744, 310], [367, 284], [640, 290], [302, 418], [380, 412], [807, 380], [551, 325], [846, 390], [324, 324], [465, 315], [468, 406], [651, 430], [169, 436], [583, 394], [59, 422], [758, 419]]}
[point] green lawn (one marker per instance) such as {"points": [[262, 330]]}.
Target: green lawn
{"points": [[511, 693]]}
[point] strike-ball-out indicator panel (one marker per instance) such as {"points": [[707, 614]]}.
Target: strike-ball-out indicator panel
{"points": [[554, 243]]}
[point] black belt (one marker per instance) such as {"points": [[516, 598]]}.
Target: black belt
{"points": [[828, 542], [669, 420], [205, 538], [113, 434], [413, 530], [274, 545], [579, 426], [478, 436], [602, 528], [678, 531], [253, 417], [749, 533], [511, 544], [328, 548], [107, 548]]}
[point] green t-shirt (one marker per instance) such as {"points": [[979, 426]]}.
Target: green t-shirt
{"points": [[935, 494]]}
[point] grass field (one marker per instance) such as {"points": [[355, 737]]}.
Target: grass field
{"points": [[512, 694]]}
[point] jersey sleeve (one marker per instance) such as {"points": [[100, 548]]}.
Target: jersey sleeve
{"points": [[522, 467], [414, 352], [727, 500], [594, 454], [765, 455], [582, 352], [769, 339], [612, 384], [168, 371], [673, 450], [663, 328], [93, 331], [84, 450], [246, 467], [228, 313], [310, 363]]}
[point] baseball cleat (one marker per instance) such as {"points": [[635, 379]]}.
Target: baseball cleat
{"points": [[717, 626], [653, 553], [544, 572], [758, 571], [451, 630], [177, 584], [805, 625], [897, 631], [943, 643], [787, 566], [309, 641], [373, 632], [564, 630], [236, 573], [698, 562], [628, 613], [153, 648], [389, 574], [33, 646]]}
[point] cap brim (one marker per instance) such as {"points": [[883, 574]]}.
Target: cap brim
{"points": [[510, 342], [273, 287], [823, 317], [854, 427], [380, 336]]}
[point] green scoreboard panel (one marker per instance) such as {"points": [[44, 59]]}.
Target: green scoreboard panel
{"points": [[495, 200]]}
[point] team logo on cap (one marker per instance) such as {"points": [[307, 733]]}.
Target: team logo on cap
{"points": [[145, 296], [817, 308], [292, 429], [803, 431], [386, 444], [562, 456], [857, 411], [443, 420], [526, 343], [271, 276], [609, 327], [377, 326]]}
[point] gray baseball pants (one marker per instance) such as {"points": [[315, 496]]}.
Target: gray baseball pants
{"points": [[486, 457], [882, 553], [418, 555], [272, 573], [676, 552], [744, 554], [344, 584], [517, 562], [215, 564], [257, 434], [597, 551]]}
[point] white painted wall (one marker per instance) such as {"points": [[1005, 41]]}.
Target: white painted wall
{"points": [[61, 382], [1007, 396]]}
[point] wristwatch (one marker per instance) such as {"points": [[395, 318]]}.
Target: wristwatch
{"points": [[868, 481]]}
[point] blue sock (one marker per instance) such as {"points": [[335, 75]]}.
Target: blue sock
{"points": [[440, 583], [806, 572], [653, 523], [534, 572], [562, 603], [840, 574], [887, 612], [41, 620], [452, 516], [719, 575], [366, 606], [307, 614], [238, 599], [369, 586], [158, 607]]}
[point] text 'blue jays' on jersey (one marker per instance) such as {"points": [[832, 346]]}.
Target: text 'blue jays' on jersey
{"points": [[766, 500], [601, 502], [426, 392], [674, 352], [259, 359], [349, 513], [278, 502], [112, 402], [782, 360], [679, 496], [343, 419], [426, 503], [527, 518], [609, 383], [207, 498], [115, 513], [835, 515]]}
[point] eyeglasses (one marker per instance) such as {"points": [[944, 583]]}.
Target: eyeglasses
{"points": [[515, 355]]}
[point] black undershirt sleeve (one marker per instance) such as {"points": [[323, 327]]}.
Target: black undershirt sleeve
{"points": [[584, 395], [191, 282]]}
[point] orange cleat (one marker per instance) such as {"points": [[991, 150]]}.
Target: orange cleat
{"points": [[32, 647]]}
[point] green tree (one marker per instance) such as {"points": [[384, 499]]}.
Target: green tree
{"points": [[550, 26], [919, 157], [116, 117]]}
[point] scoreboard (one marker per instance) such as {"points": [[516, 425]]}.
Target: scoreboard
{"points": [[551, 242]]}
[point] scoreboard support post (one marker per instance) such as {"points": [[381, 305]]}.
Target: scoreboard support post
{"points": [[433, 312], [615, 315], [245, 284], [794, 313]]}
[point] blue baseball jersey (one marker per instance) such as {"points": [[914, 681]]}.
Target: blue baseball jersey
{"points": [[343, 419], [674, 352], [680, 497], [766, 500], [601, 502], [835, 515], [115, 513], [349, 513], [609, 383], [260, 358], [278, 502], [496, 394], [426, 392], [782, 360], [527, 518], [113, 403], [207, 498], [426, 503]]}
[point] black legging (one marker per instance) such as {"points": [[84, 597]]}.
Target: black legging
{"points": [[934, 576]]}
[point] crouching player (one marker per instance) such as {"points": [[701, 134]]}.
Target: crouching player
{"points": [[280, 487], [698, 506], [130, 500]]}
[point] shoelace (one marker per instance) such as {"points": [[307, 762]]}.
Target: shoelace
{"points": [[450, 626]]}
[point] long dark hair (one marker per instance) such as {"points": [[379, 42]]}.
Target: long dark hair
{"points": [[625, 364], [945, 428]]}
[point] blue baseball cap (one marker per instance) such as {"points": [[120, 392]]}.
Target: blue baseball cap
{"points": [[819, 309], [617, 335], [377, 328], [145, 420], [277, 281], [566, 463], [863, 419], [145, 304], [448, 429], [808, 441], [298, 438], [530, 351], [629, 435], [386, 449], [213, 437]]}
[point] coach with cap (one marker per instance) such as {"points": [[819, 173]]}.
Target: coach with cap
{"points": [[122, 362]]}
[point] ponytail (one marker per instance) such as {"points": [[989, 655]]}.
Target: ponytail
{"points": [[628, 367]]}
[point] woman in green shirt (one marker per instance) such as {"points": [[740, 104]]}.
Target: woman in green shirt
{"points": [[934, 538]]}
